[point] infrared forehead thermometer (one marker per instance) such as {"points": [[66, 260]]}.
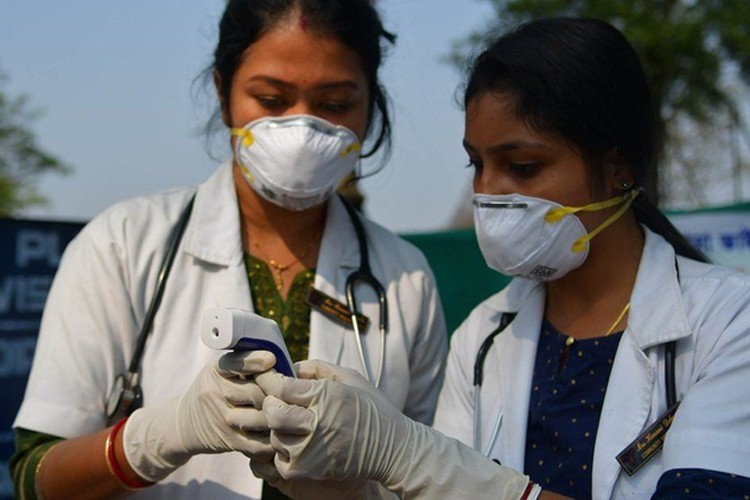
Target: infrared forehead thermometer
{"points": [[240, 330]]}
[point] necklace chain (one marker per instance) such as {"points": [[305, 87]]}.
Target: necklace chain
{"points": [[619, 318], [570, 340], [279, 269]]}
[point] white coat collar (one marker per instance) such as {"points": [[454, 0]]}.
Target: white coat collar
{"points": [[338, 247], [213, 236], [338, 257], [214, 231], [657, 283]]}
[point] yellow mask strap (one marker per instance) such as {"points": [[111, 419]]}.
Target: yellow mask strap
{"points": [[244, 134], [555, 214], [579, 245], [354, 147]]}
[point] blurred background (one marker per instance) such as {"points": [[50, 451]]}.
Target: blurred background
{"points": [[117, 96], [111, 93]]}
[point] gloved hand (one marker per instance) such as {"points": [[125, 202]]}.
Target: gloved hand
{"points": [[221, 411], [331, 424], [309, 489]]}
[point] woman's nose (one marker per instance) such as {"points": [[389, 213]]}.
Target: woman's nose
{"points": [[300, 108], [486, 182]]}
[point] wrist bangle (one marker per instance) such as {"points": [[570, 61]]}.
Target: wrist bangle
{"points": [[535, 492], [113, 465], [38, 473], [531, 492]]}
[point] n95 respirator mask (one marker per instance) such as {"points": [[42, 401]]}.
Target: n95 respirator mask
{"points": [[535, 238], [295, 162]]}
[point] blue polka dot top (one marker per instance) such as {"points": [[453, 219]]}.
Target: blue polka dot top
{"points": [[568, 388], [567, 394]]}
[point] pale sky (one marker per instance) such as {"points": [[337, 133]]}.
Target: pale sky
{"points": [[115, 84]]}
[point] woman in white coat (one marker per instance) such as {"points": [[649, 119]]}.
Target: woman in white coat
{"points": [[614, 366], [298, 88], [605, 322]]}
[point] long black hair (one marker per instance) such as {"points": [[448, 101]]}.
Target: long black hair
{"points": [[580, 79]]}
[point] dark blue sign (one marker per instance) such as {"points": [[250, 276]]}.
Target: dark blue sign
{"points": [[30, 252]]}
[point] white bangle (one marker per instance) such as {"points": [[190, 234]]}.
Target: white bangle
{"points": [[536, 490]]}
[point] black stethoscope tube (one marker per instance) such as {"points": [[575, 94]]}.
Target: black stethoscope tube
{"points": [[166, 266], [364, 275], [505, 320]]}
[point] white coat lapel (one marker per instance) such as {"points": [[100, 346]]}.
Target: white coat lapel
{"points": [[624, 412], [631, 402], [337, 259], [213, 236], [515, 353]]}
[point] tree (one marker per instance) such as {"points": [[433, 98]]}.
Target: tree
{"points": [[696, 54], [22, 160]]}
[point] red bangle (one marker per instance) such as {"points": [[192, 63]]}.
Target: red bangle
{"points": [[527, 491], [114, 466]]}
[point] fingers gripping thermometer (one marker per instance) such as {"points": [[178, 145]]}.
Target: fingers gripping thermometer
{"points": [[240, 330]]}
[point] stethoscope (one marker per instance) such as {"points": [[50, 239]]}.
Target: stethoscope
{"points": [[505, 319], [126, 395], [364, 275]]}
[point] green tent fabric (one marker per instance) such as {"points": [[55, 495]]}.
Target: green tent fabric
{"points": [[463, 278]]}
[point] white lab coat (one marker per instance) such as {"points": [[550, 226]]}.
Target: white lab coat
{"points": [[107, 276], [706, 310]]}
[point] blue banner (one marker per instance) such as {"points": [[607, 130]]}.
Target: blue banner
{"points": [[29, 255], [723, 235]]}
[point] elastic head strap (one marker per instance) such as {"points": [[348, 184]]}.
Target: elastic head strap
{"points": [[580, 244], [556, 214]]}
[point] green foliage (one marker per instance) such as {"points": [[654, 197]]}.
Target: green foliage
{"points": [[685, 47], [22, 160], [682, 43]]}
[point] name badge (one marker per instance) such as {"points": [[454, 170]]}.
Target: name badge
{"points": [[647, 444], [334, 310]]}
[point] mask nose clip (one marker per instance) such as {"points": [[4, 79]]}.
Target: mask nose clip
{"points": [[498, 204]]}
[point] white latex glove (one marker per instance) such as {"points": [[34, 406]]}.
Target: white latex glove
{"points": [[336, 426], [221, 411], [309, 489]]}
